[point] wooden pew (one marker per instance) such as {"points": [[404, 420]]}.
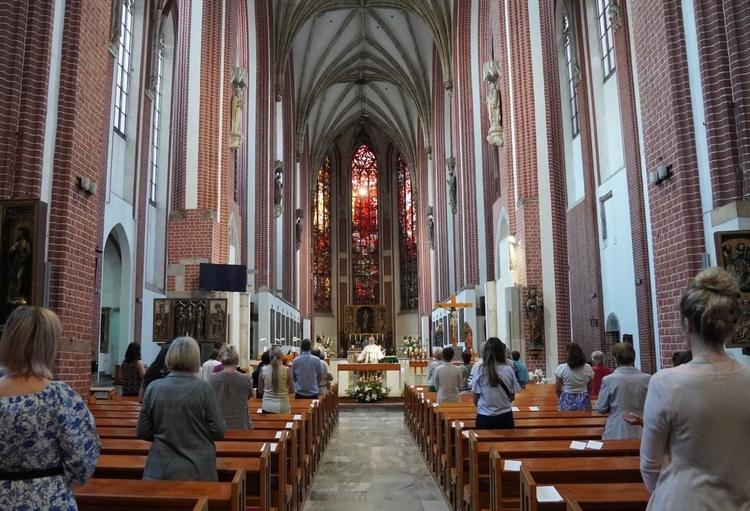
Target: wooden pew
{"points": [[140, 503], [221, 496], [505, 481], [619, 497], [257, 473], [460, 478]]}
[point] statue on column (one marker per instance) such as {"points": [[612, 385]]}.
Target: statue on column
{"points": [[451, 165], [535, 314], [278, 188], [298, 228], [494, 104], [430, 228], [239, 82]]}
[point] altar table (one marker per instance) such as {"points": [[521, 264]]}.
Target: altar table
{"points": [[362, 368]]}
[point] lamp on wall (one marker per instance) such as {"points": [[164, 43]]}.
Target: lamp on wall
{"points": [[661, 173], [87, 185]]}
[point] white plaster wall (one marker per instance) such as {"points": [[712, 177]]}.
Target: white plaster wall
{"points": [[53, 94], [480, 110], [406, 323], [545, 192], [618, 276], [251, 92]]}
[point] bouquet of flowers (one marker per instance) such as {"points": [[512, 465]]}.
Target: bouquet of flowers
{"points": [[412, 345], [537, 376], [368, 389], [326, 344]]}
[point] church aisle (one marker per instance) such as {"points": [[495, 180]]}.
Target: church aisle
{"points": [[372, 464]]}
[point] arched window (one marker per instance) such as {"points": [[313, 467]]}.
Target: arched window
{"points": [[322, 238], [365, 247], [407, 237]]}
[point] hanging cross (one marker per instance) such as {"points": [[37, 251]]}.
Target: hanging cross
{"points": [[452, 305]]}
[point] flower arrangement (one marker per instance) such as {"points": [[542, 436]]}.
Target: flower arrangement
{"points": [[368, 389], [326, 344], [412, 345], [537, 376]]}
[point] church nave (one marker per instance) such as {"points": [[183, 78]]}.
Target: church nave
{"points": [[373, 464]]}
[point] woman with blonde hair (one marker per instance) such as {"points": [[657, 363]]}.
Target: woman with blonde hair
{"points": [[695, 441], [276, 384], [233, 390], [181, 416], [49, 440]]}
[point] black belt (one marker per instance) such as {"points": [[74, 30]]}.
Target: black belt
{"points": [[31, 474]]}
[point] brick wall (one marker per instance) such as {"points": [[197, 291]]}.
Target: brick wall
{"points": [[677, 230], [439, 201]]}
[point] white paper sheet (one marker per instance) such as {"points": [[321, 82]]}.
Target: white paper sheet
{"points": [[297, 417], [461, 424], [289, 425], [260, 410], [278, 434], [465, 434], [273, 447], [435, 405], [514, 408], [512, 465], [577, 445], [534, 408], [262, 447], [548, 494], [593, 444]]}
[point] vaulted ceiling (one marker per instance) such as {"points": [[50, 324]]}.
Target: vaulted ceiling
{"points": [[362, 64]]}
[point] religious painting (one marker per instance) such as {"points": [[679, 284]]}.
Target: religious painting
{"points": [[365, 320], [21, 254], [162, 320], [217, 323], [733, 254], [189, 318]]}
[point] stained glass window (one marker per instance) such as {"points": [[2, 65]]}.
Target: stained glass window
{"points": [[407, 237], [322, 238], [365, 249]]}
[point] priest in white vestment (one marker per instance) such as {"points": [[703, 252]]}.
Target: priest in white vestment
{"points": [[371, 354]]}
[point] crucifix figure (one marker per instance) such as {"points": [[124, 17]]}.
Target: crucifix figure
{"points": [[452, 305]]}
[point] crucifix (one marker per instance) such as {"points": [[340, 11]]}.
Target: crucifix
{"points": [[452, 305]]}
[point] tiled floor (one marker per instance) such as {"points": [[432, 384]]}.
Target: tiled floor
{"points": [[372, 464]]}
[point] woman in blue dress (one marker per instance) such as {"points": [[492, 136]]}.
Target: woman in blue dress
{"points": [[48, 436]]}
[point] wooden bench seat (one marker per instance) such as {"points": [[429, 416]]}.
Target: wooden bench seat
{"points": [[598, 496], [504, 484], [140, 503], [222, 496]]}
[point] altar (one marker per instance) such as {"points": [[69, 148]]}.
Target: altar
{"points": [[359, 369]]}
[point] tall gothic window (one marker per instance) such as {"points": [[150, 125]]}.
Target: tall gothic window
{"points": [[365, 250], [407, 237], [569, 63], [607, 38], [322, 238], [156, 121], [124, 54]]}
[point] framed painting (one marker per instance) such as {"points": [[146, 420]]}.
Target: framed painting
{"points": [[22, 248], [217, 320], [162, 320], [733, 254], [189, 318]]}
